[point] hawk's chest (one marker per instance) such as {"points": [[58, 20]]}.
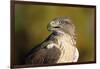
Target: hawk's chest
{"points": [[67, 49]]}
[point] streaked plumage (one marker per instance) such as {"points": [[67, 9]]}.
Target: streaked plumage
{"points": [[59, 47]]}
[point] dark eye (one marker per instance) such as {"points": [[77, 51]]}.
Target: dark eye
{"points": [[66, 22], [62, 22]]}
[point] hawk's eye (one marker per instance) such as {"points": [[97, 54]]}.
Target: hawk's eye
{"points": [[67, 21], [64, 22]]}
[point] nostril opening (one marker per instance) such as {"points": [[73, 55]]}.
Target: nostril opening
{"points": [[52, 23]]}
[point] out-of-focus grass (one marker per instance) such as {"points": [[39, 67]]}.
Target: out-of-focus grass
{"points": [[31, 28]]}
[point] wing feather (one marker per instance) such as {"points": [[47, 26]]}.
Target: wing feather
{"points": [[48, 55]]}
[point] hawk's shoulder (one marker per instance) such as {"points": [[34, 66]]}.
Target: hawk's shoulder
{"points": [[46, 52]]}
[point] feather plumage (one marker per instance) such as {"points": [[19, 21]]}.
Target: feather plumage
{"points": [[59, 47]]}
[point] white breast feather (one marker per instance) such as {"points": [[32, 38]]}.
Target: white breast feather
{"points": [[69, 52]]}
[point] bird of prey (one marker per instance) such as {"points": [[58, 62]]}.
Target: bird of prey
{"points": [[59, 47]]}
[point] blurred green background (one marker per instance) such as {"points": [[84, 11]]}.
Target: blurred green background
{"points": [[31, 28]]}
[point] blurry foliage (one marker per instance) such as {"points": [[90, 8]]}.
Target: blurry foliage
{"points": [[31, 28]]}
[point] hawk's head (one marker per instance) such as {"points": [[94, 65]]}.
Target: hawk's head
{"points": [[61, 24]]}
